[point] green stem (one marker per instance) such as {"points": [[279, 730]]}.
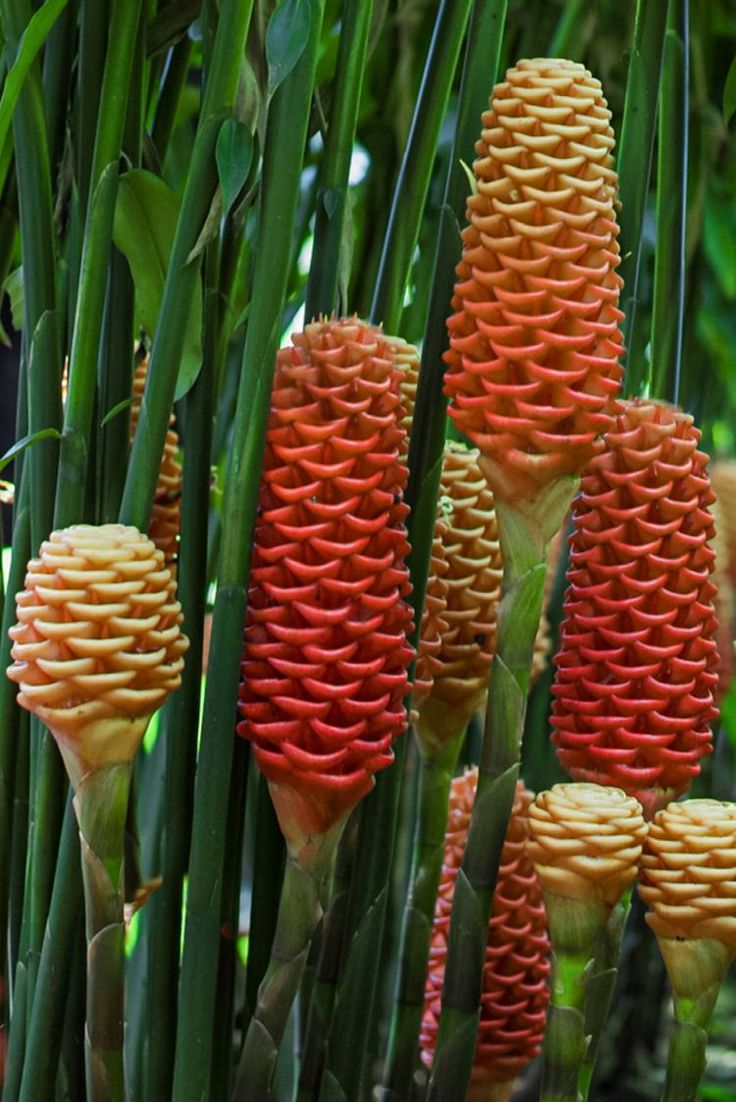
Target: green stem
{"points": [[525, 532], [332, 189], [306, 879], [435, 780], [601, 984], [101, 802], [668, 313], [286, 132], [696, 969], [565, 1040], [634, 162], [168, 100], [412, 184], [268, 875]]}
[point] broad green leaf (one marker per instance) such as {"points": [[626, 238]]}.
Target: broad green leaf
{"points": [[26, 442], [31, 42], [729, 94], [234, 153], [14, 286], [145, 219], [286, 39]]}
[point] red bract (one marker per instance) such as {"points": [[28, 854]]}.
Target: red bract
{"points": [[515, 990], [535, 340], [636, 671], [326, 653]]}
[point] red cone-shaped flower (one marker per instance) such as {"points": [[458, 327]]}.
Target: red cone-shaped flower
{"points": [[515, 990], [636, 671], [326, 656], [534, 340]]}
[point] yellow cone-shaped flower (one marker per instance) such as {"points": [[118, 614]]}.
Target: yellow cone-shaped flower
{"points": [[166, 510], [98, 644]]}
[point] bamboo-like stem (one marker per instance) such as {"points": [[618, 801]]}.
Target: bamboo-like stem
{"points": [[601, 983], [435, 780], [565, 1040], [634, 163], [525, 532], [286, 131], [425, 461], [101, 802], [171, 88], [267, 877], [410, 191], [332, 188], [182, 274], [668, 314], [306, 881], [179, 728]]}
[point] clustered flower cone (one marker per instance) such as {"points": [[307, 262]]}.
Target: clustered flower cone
{"points": [[326, 656], [98, 644], [165, 524], [723, 477], [723, 598], [515, 977], [585, 842], [473, 589], [535, 342], [406, 359], [637, 667]]}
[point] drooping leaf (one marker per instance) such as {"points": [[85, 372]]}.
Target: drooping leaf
{"points": [[286, 38], [234, 153], [26, 442], [116, 409], [16, 293], [145, 219], [31, 42]]}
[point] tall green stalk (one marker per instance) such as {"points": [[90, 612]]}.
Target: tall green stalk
{"points": [[332, 188], [483, 49], [286, 132], [668, 314], [378, 813], [634, 163], [525, 532]]}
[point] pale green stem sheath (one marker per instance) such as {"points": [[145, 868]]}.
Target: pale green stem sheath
{"points": [[525, 530], [696, 969], [101, 801], [600, 987], [303, 895]]}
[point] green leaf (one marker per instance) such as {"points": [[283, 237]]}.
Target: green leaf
{"points": [[234, 153], [31, 42], [116, 409], [26, 442], [14, 286], [145, 219], [729, 94], [286, 38]]}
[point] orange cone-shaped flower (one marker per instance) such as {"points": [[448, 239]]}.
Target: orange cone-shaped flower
{"points": [[723, 477], [636, 671], [166, 510], [535, 340], [688, 871], [406, 359], [98, 645], [585, 842], [515, 988], [434, 619], [723, 600], [326, 653], [473, 582]]}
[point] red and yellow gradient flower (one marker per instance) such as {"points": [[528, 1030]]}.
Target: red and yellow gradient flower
{"points": [[535, 342], [637, 666], [326, 653], [515, 988]]}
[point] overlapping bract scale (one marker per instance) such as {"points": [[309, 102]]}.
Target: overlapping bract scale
{"points": [[535, 342], [586, 840], [98, 633], [165, 522], [473, 582], [688, 871], [636, 671], [515, 989], [326, 654]]}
